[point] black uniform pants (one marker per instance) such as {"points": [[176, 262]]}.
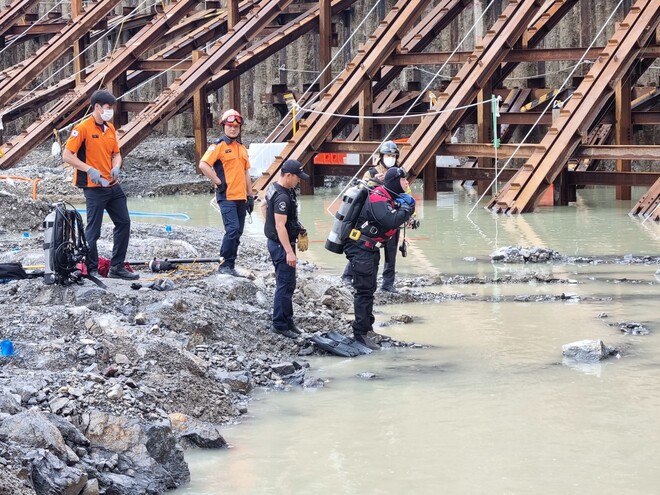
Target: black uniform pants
{"points": [[233, 217], [113, 200], [285, 285], [389, 267], [364, 264]]}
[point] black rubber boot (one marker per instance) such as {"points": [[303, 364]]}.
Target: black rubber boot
{"points": [[364, 339], [284, 333], [121, 272]]}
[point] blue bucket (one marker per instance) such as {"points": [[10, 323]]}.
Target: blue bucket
{"points": [[6, 348]]}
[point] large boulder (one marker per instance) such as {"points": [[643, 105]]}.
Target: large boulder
{"points": [[146, 451], [238, 381], [32, 428], [9, 404], [586, 351], [72, 435], [193, 432], [51, 476]]}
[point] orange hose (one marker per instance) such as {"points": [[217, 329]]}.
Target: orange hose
{"points": [[34, 182]]}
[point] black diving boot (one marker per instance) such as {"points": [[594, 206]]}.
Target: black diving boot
{"points": [[364, 339]]}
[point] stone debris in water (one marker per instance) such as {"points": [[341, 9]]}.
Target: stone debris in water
{"points": [[632, 328], [517, 254], [587, 351]]}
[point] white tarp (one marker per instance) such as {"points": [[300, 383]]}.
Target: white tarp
{"points": [[262, 155]]}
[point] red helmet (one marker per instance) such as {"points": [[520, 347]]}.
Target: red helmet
{"points": [[231, 117]]}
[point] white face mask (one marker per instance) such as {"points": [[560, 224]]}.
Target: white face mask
{"points": [[107, 114], [389, 161]]}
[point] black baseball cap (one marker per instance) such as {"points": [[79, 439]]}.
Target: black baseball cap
{"points": [[294, 167]]}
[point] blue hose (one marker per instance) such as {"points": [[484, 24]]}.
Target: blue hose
{"points": [[176, 216]]}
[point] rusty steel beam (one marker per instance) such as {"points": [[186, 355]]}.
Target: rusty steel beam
{"points": [[21, 75], [546, 18], [67, 108], [648, 205], [592, 178], [578, 113], [161, 65], [244, 61], [599, 152], [34, 30], [346, 89], [444, 174], [516, 55], [274, 42], [417, 39], [210, 30], [12, 13], [422, 35], [472, 173], [292, 30], [603, 178], [177, 95], [486, 59]]}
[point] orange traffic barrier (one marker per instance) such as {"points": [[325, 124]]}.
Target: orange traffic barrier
{"points": [[330, 159], [547, 198], [34, 182]]}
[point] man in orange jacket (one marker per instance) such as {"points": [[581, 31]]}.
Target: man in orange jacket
{"points": [[226, 165], [93, 151]]}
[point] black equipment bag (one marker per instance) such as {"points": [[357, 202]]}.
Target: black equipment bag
{"points": [[12, 271]]}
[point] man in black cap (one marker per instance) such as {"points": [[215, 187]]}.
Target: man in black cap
{"points": [[282, 228], [387, 208]]}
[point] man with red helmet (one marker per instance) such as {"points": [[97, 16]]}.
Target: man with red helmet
{"points": [[226, 165]]}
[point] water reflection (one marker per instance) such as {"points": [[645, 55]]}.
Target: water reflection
{"points": [[487, 406]]}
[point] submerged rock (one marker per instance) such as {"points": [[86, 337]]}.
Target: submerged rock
{"points": [[587, 351]]}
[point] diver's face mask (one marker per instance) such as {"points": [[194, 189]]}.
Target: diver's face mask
{"points": [[389, 161]]}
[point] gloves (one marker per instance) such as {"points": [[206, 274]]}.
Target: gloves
{"points": [[95, 176], [413, 223], [250, 205], [114, 173], [303, 241], [405, 199]]}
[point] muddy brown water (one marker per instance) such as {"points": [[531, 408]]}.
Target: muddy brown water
{"points": [[488, 406]]}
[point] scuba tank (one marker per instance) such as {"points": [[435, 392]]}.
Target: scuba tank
{"points": [[64, 245], [346, 218], [49, 227]]}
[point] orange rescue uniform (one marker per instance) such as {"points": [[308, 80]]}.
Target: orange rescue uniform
{"points": [[229, 159], [93, 144]]}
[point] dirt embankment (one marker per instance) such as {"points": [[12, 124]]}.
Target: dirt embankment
{"points": [[169, 361]]}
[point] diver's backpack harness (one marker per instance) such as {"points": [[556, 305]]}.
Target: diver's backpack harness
{"points": [[64, 245], [346, 217]]}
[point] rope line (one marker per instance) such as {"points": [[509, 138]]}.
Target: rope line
{"points": [[412, 105], [33, 91], [430, 112], [559, 71], [548, 106], [29, 28]]}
